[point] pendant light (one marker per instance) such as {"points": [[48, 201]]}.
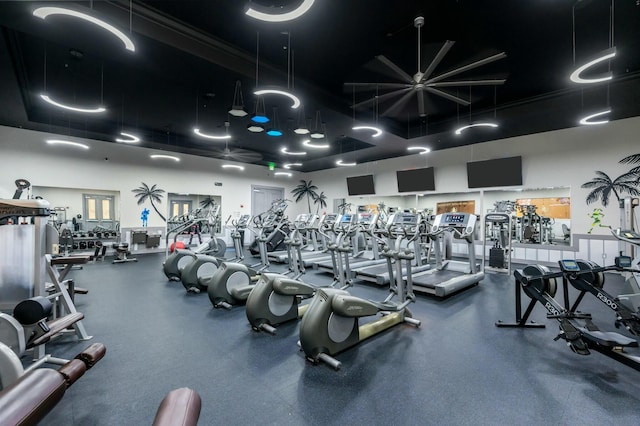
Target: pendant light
{"points": [[237, 108]]}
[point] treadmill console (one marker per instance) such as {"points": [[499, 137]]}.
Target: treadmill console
{"points": [[328, 221], [301, 220], [243, 221], [465, 221], [313, 221], [367, 220], [405, 222]]}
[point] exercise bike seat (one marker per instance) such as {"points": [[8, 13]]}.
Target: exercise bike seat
{"points": [[608, 338], [290, 287], [351, 306]]}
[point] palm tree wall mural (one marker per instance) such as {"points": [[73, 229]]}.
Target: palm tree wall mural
{"points": [[320, 201], [153, 194], [305, 190], [602, 187]]}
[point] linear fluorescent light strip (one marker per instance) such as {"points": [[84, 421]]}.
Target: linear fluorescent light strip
{"points": [[287, 174], [232, 166], [587, 120], [296, 101], [424, 149], [47, 99], [342, 163], [43, 12], [310, 144], [164, 157], [284, 151], [131, 138], [67, 143], [575, 76], [214, 137], [377, 131], [281, 17], [463, 128], [290, 165]]}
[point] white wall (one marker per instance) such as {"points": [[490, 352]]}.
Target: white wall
{"points": [[122, 168], [566, 158]]}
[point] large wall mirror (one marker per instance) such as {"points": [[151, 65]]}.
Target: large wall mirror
{"points": [[540, 215], [182, 206], [82, 209]]}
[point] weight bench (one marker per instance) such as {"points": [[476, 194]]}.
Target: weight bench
{"points": [[181, 407], [122, 251], [30, 398], [29, 328]]}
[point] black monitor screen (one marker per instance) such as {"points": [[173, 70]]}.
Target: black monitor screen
{"points": [[416, 180], [499, 172], [360, 185]]}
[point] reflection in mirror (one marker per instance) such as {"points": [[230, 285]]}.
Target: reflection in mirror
{"points": [[540, 216], [183, 206], [82, 210]]}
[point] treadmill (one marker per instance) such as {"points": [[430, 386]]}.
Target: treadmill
{"points": [[300, 225], [450, 276], [379, 273]]}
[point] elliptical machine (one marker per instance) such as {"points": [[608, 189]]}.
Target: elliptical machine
{"points": [[331, 323], [215, 248], [232, 282], [275, 299]]}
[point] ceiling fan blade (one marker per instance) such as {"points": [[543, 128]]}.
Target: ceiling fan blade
{"points": [[248, 156], [447, 96], [421, 103], [468, 67], [381, 98], [403, 75], [362, 87], [400, 102], [239, 154], [490, 82], [436, 61]]}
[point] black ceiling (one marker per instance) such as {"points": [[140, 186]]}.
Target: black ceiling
{"points": [[189, 54]]}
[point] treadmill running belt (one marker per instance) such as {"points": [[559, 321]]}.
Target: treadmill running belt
{"points": [[433, 279]]}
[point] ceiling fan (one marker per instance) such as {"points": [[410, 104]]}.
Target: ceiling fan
{"points": [[236, 154], [423, 81]]}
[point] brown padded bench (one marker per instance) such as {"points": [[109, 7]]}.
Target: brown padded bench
{"points": [[28, 400], [181, 407], [35, 311]]}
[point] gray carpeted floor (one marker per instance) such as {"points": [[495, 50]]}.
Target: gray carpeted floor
{"points": [[456, 369]]}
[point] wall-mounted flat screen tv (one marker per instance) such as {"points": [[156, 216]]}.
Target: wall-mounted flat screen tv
{"points": [[360, 185], [416, 180], [498, 172]]}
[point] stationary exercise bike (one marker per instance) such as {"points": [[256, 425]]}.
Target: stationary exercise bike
{"points": [[331, 323]]}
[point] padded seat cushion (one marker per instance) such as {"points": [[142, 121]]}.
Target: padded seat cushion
{"points": [[180, 407], [31, 397]]}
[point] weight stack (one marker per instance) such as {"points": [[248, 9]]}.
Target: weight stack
{"points": [[496, 258]]}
